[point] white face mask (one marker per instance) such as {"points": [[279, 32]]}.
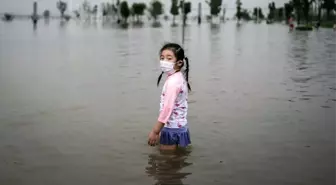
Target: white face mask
{"points": [[167, 67]]}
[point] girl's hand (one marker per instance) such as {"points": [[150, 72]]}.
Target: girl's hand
{"points": [[153, 138]]}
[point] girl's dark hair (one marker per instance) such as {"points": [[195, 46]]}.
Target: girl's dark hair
{"points": [[179, 54]]}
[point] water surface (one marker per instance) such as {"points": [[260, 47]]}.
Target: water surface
{"points": [[78, 100]]}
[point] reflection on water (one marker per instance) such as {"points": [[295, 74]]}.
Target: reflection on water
{"points": [[166, 167]]}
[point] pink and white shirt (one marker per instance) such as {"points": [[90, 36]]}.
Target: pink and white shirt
{"points": [[173, 102]]}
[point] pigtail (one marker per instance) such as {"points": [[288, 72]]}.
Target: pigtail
{"points": [[186, 73], [159, 79]]}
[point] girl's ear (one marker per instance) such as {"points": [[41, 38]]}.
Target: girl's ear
{"points": [[179, 63]]}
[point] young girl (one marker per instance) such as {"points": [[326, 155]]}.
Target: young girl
{"points": [[172, 125], [291, 23]]}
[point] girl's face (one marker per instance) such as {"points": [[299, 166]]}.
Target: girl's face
{"points": [[169, 56]]}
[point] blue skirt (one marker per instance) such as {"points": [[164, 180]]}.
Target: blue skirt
{"points": [[175, 136]]}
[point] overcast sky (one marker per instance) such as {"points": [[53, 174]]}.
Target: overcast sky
{"points": [[26, 6]]}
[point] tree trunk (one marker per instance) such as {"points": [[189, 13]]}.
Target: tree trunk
{"points": [[173, 19], [328, 14], [298, 17], [306, 14], [319, 13]]}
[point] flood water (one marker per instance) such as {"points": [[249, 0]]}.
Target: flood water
{"points": [[78, 100]]}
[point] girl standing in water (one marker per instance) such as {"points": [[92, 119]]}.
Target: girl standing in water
{"points": [[291, 23], [172, 125]]}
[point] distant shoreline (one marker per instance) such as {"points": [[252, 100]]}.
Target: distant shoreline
{"points": [[25, 16]]}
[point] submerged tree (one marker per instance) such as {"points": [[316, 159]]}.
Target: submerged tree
{"points": [[46, 14], [239, 10], [174, 10], [329, 6], [95, 10], [306, 8], [288, 10], [257, 13], [186, 9], [138, 9], [280, 13], [62, 7], [215, 7], [272, 9], [124, 11], [86, 6], [156, 9], [245, 15], [297, 5], [261, 14]]}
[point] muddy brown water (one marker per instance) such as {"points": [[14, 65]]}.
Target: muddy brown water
{"points": [[78, 100]]}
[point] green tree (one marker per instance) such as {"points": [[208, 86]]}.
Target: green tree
{"points": [[288, 10], [246, 15], [306, 8], [280, 13], [297, 5], [257, 12], [187, 7], [174, 10], [62, 7], [272, 9], [186, 10], [139, 10], [329, 6], [124, 11], [319, 4], [156, 9], [239, 9], [215, 7], [261, 14]]}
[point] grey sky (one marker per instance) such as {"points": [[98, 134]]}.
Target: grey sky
{"points": [[26, 6]]}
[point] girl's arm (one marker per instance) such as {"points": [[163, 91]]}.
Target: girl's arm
{"points": [[157, 127], [169, 100]]}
